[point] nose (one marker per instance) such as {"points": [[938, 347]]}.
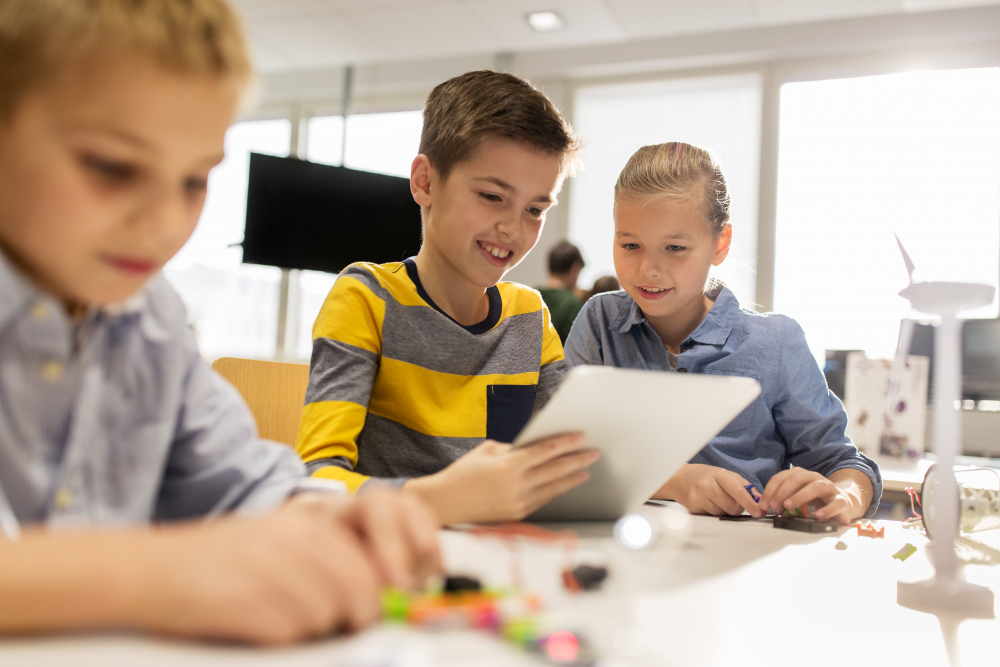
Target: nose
{"points": [[509, 225], [160, 210], [649, 266]]}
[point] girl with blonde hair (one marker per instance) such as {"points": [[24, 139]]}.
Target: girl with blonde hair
{"points": [[671, 219]]}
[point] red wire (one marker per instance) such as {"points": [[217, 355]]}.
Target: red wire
{"points": [[913, 494]]}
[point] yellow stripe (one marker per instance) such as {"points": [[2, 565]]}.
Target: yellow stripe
{"points": [[328, 429], [352, 479], [351, 314], [552, 349], [395, 280], [432, 403]]}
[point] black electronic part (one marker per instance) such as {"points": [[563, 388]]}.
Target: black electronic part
{"points": [[590, 577], [805, 525], [462, 585]]}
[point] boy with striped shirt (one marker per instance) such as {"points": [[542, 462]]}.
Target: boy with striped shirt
{"points": [[416, 363]]}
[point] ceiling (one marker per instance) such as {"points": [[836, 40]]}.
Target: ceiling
{"points": [[290, 35]]}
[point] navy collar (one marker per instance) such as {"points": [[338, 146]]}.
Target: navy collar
{"points": [[492, 318], [713, 330]]}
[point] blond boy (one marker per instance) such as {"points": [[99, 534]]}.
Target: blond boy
{"points": [[415, 363], [112, 114]]}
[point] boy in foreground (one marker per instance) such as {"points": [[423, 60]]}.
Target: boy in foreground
{"points": [[415, 363], [112, 113]]}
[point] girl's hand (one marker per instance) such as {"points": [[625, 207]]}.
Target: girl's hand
{"points": [[794, 487], [705, 489], [498, 482]]}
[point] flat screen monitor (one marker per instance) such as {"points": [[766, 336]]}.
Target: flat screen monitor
{"points": [[980, 356], [303, 215]]}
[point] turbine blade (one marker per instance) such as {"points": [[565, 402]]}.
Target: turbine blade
{"points": [[906, 257]]}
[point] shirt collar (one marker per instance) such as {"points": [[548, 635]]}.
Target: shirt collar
{"points": [[17, 292], [713, 330]]}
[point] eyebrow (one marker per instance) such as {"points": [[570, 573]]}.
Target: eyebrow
{"points": [[507, 187], [671, 237]]}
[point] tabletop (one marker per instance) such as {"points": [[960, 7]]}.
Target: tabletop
{"points": [[709, 593]]}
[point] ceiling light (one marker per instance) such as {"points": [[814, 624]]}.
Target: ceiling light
{"points": [[545, 21]]}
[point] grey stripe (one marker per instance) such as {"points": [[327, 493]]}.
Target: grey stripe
{"points": [[338, 461], [422, 336], [549, 378], [340, 372], [389, 449], [369, 280]]}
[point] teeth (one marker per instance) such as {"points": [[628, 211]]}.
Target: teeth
{"points": [[654, 290], [496, 252]]}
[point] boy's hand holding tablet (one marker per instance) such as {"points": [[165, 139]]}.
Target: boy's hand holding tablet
{"points": [[498, 482]]}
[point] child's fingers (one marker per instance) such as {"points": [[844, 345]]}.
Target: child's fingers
{"points": [[564, 466], [735, 486], [544, 494], [782, 488], [776, 481], [544, 451], [815, 489], [837, 509]]}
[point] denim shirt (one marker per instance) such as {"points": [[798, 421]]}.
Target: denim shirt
{"points": [[117, 419], [796, 420]]}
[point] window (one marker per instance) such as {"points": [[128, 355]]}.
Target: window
{"points": [[720, 113], [381, 142], [233, 307], [917, 154]]}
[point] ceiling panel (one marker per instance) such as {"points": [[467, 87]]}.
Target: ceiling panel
{"points": [[254, 10], [319, 41], [587, 22], [799, 11], [426, 31], [929, 5], [650, 18]]}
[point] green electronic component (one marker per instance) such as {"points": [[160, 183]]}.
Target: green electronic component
{"points": [[904, 553]]}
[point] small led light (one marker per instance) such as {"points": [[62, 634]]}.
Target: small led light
{"points": [[633, 531], [545, 21]]}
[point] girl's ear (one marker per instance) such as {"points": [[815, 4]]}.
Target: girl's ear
{"points": [[722, 244]]}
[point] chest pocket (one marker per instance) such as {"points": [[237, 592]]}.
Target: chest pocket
{"points": [[746, 419], [508, 409]]}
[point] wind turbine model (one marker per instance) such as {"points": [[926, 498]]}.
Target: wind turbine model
{"points": [[948, 590]]}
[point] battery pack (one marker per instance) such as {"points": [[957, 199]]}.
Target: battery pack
{"points": [[805, 525]]}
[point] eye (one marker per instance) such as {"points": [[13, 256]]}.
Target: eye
{"points": [[676, 248], [535, 211], [630, 246], [109, 169], [490, 197]]}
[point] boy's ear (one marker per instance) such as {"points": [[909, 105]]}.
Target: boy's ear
{"points": [[420, 180], [722, 244]]}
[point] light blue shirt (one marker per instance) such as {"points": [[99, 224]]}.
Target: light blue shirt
{"points": [[796, 420], [117, 419]]}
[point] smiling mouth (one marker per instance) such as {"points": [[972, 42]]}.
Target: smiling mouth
{"points": [[654, 290], [499, 253]]}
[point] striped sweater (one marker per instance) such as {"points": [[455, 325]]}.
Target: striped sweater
{"points": [[398, 389]]}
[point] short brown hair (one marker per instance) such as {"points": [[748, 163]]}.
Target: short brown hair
{"points": [[563, 256], [37, 37], [463, 111], [680, 171]]}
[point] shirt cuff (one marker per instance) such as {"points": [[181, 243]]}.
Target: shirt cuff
{"points": [[870, 469]]}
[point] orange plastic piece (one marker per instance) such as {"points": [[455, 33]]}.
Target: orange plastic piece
{"points": [[869, 530]]}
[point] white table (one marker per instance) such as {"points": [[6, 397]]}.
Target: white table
{"points": [[735, 594]]}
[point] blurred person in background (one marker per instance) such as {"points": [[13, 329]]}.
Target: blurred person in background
{"points": [[560, 293]]}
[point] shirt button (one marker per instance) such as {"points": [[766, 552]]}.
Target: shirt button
{"points": [[40, 311], [52, 371], [63, 498], [682, 370]]}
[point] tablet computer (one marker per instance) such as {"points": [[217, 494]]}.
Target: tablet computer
{"points": [[646, 424]]}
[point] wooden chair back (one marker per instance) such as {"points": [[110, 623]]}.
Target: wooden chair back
{"points": [[275, 392]]}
